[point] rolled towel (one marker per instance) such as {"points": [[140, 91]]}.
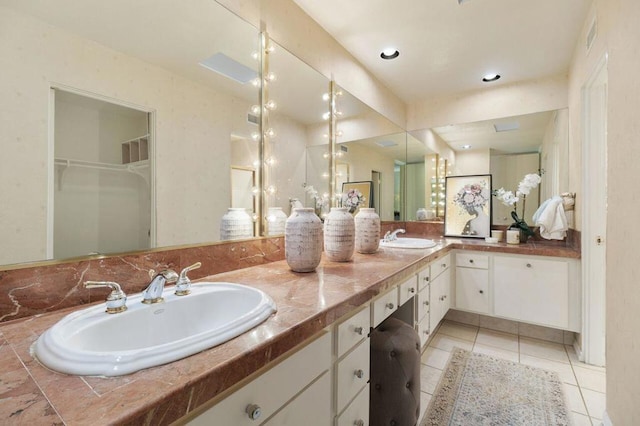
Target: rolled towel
{"points": [[551, 219]]}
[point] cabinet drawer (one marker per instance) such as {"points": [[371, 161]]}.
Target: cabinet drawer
{"points": [[352, 374], [314, 403], [357, 413], [423, 330], [353, 330], [289, 377], [439, 266], [422, 304], [424, 278], [407, 290], [384, 306], [472, 260]]}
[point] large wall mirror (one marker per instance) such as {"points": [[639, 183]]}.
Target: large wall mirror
{"points": [[509, 148], [369, 148], [167, 82]]}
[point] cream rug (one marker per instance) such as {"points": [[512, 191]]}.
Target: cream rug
{"points": [[477, 389]]}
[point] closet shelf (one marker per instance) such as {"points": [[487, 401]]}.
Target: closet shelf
{"points": [[140, 168]]}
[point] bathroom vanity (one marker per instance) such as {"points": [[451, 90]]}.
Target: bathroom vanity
{"points": [[311, 358]]}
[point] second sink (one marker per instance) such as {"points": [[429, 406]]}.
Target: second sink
{"points": [[410, 243]]}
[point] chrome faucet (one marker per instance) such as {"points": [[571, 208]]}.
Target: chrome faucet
{"points": [[183, 285], [392, 236], [116, 301], [153, 292]]}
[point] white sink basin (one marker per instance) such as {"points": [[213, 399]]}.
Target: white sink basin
{"points": [[92, 342], [410, 243]]}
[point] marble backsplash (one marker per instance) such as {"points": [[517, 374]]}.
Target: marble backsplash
{"points": [[36, 290], [39, 289]]}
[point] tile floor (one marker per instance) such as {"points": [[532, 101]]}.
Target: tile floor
{"points": [[584, 385]]}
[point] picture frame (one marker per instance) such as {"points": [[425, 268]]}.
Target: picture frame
{"points": [[366, 189], [467, 210]]}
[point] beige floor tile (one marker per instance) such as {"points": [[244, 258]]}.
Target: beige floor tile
{"points": [[436, 358], [565, 372], [579, 419], [542, 349], [429, 378], [425, 398], [596, 403], [497, 339], [461, 331], [591, 379], [496, 352], [447, 343], [574, 399]]}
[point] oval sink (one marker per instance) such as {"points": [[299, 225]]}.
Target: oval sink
{"points": [[92, 342], [411, 243]]}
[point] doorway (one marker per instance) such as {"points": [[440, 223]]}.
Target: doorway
{"points": [[101, 186], [376, 178]]}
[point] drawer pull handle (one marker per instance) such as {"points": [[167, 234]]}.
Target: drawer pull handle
{"points": [[426, 332], [426, 303], [412, 290], [358, 330], [528, 265], [470, 260], [359, 422], [481, 291], [390, 305], [444, 265], [359, 374], [426, 278], [254, 411]]}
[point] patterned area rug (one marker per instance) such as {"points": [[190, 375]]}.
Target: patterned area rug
{"points": [[477, 389]]}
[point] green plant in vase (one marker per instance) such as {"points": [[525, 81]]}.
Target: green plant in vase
{"points": [[508, 198]]}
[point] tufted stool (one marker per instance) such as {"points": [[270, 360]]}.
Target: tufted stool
{"points": [[395, 375]]}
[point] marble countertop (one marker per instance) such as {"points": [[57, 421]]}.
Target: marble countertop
{"points": [[307, 303]]}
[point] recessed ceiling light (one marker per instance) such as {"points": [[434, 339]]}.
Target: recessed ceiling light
{"points": [[386, 143], [390, 53], [466, 147], [506, 127], [490, 77], [222, 64]]}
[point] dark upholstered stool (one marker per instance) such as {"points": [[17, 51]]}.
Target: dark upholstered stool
{"points": [[395, 375]]}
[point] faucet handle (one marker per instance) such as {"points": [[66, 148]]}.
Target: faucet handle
{"points": [[117, 299], [183, 285]]}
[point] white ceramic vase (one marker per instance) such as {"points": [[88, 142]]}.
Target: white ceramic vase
{"points": [[236, 224], [276, 219], [367, 230], [339, 235], [303, 240]]}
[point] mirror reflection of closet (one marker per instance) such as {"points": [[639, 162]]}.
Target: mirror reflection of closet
{"points": [[102, 186]]}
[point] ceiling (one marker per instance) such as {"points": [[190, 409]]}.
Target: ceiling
{"points": [[446, 47]]}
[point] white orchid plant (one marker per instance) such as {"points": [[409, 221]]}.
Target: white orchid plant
{"points": [[508, 198], [319, 201]]}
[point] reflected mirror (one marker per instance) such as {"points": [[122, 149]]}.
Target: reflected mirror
{"points": [[296, 135], [370, 148], [508, 149], [187, 66]]}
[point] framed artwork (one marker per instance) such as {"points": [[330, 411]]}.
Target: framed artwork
{"points": [[467, 210], [360, 193]]}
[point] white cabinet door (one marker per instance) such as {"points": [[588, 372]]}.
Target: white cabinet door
{"points": [[314, 403], [532, 289], [472, 289], [440, 298]]}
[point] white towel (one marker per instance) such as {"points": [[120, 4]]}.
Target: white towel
{"points": [[551, 219]]}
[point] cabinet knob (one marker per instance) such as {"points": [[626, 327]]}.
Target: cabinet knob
{"points": [[358, 330], [390, 305], [425, 278], [426, 332], [412, 290], [359, 422], [254, 411], [444, 265], [426, 303], [528, 265], [359, 374], [470, 260], [481, 291]]}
